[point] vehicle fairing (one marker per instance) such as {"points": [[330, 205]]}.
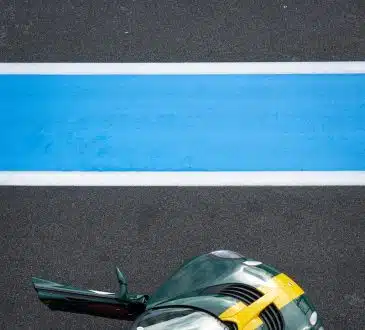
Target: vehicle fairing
{"points": [[190, 285], [209, 270], [196, 285]]}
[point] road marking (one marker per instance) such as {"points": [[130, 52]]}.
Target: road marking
{"points": [[349, 67], [272, 178]]}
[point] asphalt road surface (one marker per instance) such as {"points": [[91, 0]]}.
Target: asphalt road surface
{"points": [[78, 235], [182, 30]]}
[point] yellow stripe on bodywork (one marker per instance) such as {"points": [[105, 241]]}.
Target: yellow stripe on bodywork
{"points": [[247, 317], [280, 290], [232, 311], [287, 289]]}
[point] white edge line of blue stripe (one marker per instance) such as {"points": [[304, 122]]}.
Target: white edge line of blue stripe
{"points": [[269, 178], [349, 67]]}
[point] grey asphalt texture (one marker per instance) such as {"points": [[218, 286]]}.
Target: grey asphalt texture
{"points": [[77, 235], [182, 30]]}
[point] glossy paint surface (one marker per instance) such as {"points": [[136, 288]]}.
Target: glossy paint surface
{"points": [[195, 285], [209, 270], [187, 285], [61, 297]]}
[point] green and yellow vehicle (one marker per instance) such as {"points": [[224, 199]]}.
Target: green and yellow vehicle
{"points": [[221, 290]]}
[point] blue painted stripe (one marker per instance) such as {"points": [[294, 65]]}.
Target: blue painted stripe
{"points": [[182, 123]]}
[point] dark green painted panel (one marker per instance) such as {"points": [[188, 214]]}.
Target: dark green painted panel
{"points": [[214, 304], [208, 270], [297, 314], [270, 269]]}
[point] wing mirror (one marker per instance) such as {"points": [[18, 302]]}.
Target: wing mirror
{"points": [[124, 295]]}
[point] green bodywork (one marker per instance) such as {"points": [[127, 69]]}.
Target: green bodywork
{"points": [[121, 305], [206, 271], [192, 285]]}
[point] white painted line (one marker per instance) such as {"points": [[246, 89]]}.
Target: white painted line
{"points": [[184, 68], [275, 178]]}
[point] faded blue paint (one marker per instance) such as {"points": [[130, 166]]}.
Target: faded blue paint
{"points": [[235, 122]]}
